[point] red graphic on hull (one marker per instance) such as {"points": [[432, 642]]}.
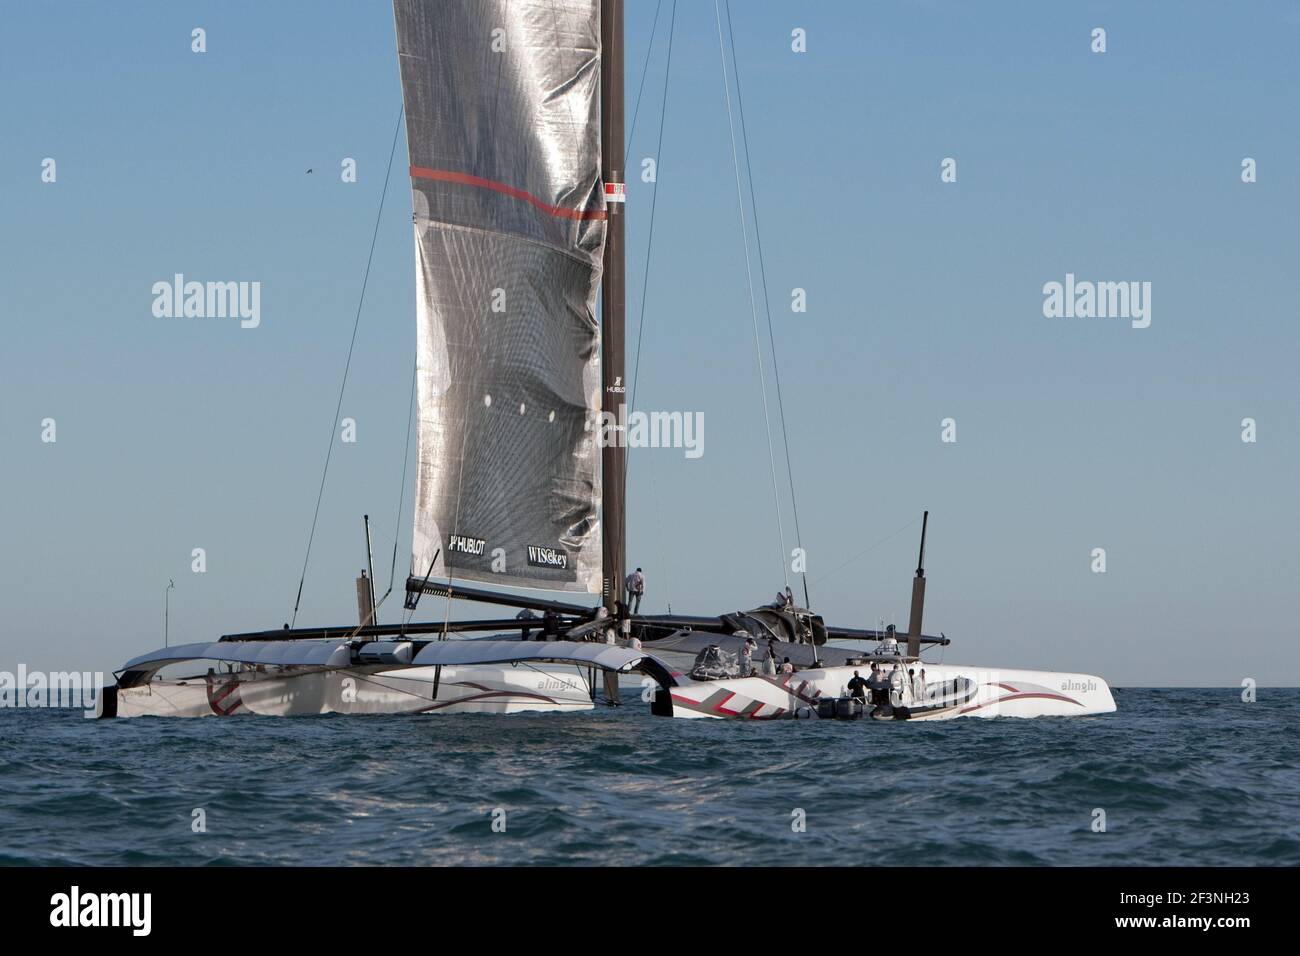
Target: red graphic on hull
{"points": [[223, 696]]}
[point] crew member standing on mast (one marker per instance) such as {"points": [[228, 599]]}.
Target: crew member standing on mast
{"points": [[635, 589]]}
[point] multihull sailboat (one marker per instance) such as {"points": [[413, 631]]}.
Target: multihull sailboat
{"points": [[514, 115]]}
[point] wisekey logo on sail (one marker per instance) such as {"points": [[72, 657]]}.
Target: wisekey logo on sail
{"points": [[547, 557]]}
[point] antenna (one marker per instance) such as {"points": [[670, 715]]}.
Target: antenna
{"points": [[167, 613]]}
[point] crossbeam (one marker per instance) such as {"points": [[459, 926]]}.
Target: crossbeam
{"points": [[420, 629]]}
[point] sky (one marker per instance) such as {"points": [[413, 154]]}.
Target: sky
{"points": [[925, 301]]}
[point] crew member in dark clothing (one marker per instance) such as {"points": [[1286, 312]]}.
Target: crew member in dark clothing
{"points": [[550, 625], [858, 686], [525, 615]]}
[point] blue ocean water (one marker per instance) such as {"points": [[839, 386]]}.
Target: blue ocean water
{"points": [[1183, 776]]}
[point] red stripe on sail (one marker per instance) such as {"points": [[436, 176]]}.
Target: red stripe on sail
{"points": [[464, 179]]}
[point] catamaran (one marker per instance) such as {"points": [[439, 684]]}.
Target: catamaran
{"points": [[515, 133]]}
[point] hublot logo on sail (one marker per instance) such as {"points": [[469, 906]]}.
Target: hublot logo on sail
{"points": [[547, 558], [459, 544]]}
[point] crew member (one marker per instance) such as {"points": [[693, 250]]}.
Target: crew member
{"points": [[896, 685], [858, 687], [635, 589], [747, 657], [877, 683], [525, 615]]}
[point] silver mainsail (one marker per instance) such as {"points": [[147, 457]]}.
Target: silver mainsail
{"points": [[502, 103]]}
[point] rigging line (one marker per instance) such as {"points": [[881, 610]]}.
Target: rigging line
{"points": [[654, 203], [401, 497], [860, 554], [645, 69], [659, 538], [406, 457], [645, 285], [753, 306], [320, 494], [767, 301]]}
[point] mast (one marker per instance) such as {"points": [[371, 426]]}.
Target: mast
{"points": [[613, 457], [370, 563], [918, 596]]}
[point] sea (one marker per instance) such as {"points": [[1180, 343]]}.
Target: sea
{"points": [[1175, 777]]}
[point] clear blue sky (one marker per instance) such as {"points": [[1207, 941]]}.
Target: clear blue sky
{"points": [[925, 301]]}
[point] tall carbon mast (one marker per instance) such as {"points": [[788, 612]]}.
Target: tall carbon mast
{"points": [[613, 302]]}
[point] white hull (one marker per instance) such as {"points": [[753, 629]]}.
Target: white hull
{"points": [[952, 691], [375, 689]]}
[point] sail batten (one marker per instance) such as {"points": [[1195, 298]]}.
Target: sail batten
{"points": [[502, 101]]}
